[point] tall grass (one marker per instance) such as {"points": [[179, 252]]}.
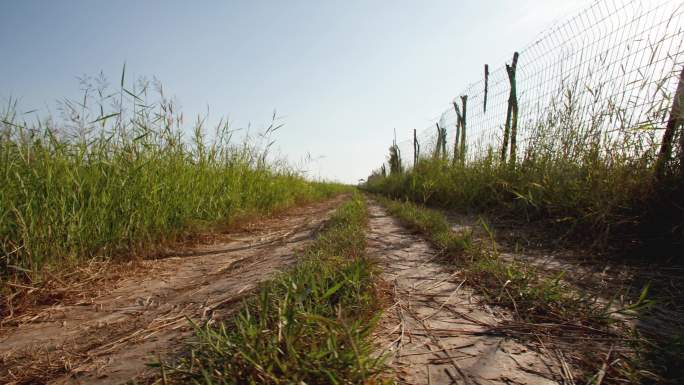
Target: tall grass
{"points": [[583, 173], [116, 173]]}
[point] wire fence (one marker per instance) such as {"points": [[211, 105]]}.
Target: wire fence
{"points": [[616, 59]]}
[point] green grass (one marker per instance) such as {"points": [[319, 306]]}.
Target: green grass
{"points": [[431, 223], [583, 175], [309, 325], [104, 184], [607, 204], [512, 284]]}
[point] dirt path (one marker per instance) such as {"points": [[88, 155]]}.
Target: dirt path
{"points": [[435, 330], [608, 279], [590, 272], [109, 339]]}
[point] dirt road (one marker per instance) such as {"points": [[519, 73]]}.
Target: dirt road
{"points": [[109, 338], [435, 329]]}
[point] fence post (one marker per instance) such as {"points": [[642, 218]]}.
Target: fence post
{"points": [[464, 101], [675, 120], [415, 148], [510, 70], [458, 132], [435, 152], [486, 87], [440, 147], [443, 131], [513, 101]]}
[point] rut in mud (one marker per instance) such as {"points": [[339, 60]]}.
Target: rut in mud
{"points": [[435, 330], [109, 339]]}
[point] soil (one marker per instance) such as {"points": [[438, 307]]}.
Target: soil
{"points": [[111, 337], [436, 329], [610, 278], [613, 280]]}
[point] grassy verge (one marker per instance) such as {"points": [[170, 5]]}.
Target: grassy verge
{"points": [[308, 325], [511, 284], [101, 183], [604, 199], [541, 307]]}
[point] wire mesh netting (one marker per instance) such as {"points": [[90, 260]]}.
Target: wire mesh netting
{"points": [[613, 66]]}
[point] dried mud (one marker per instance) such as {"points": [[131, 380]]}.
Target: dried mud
{"points": [[435, 330], [110, 338]]}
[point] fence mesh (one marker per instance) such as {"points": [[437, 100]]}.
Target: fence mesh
{"points": [[616, 62]]}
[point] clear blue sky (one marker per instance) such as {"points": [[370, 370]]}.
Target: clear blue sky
{"points": [[343, 74]]}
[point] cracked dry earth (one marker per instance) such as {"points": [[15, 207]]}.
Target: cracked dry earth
{"points": [[435, 330], [110, 339]]}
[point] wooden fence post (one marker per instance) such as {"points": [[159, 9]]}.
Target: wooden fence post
{"points": [[513, 101], [440, 146], [486, 88], [509, 111], [464, 101], [675, 120], [416, 148], [444, 154], [457, 137]]}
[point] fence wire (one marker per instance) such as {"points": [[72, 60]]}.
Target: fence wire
{"points": [[616, 61]]}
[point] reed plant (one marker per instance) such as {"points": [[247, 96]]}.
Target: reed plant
{"points": [[117, 173], [584, 173]]}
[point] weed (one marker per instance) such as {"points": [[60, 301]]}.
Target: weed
{"points": [[584, 175], [105, 183], [309, 325]]}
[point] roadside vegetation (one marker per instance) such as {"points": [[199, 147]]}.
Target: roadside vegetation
{"points": [[308, 325], [103, 183], [587, 168], [507, 283], [571, 179], [588, 159]]}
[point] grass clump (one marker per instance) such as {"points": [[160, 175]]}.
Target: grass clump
{"points": [[430, 223], [308, 325], [506, 283], [608, 202], [117, 175]]}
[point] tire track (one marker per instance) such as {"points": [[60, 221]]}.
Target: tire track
{"points": [[435, 330], [109, 339]]}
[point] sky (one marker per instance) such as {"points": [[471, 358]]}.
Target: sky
{"points": [[342, 75]]}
